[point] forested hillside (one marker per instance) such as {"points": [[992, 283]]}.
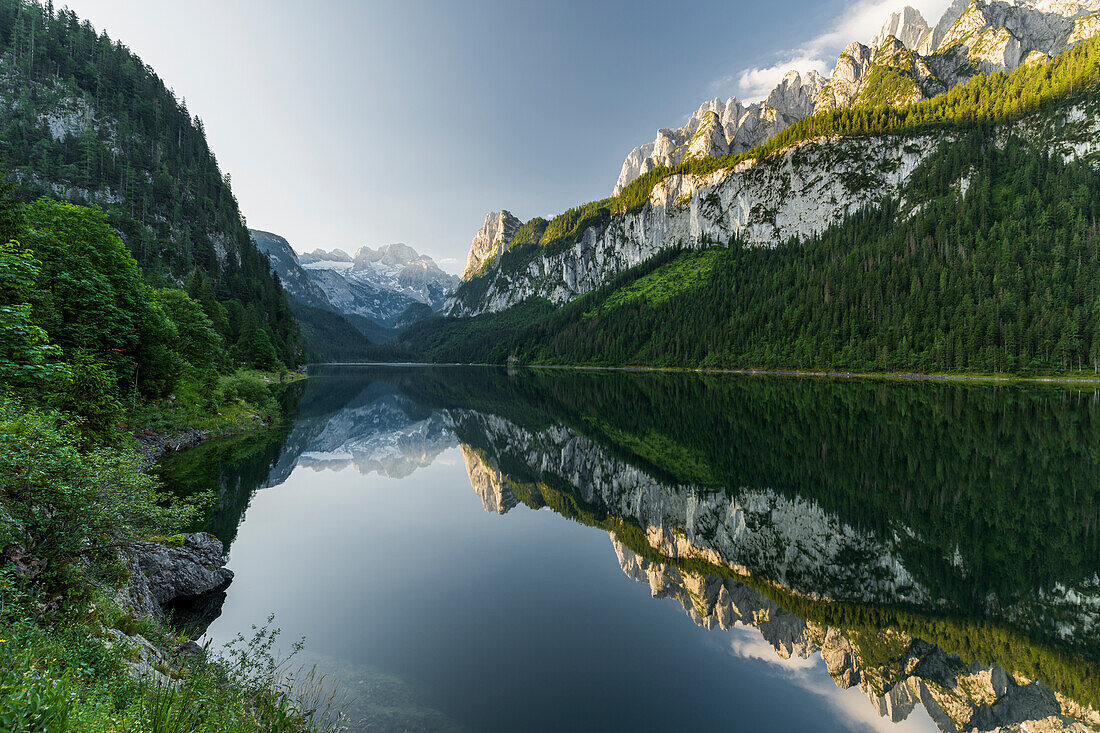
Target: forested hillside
{"points": [[86, 121], [991, 264]]}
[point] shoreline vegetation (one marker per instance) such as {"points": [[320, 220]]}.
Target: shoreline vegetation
{"points": [[1077, 378], [104, 368]]}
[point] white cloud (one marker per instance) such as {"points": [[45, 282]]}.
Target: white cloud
{"points": [[452, 265], [747, 642], [757, 83], [860, 22]]}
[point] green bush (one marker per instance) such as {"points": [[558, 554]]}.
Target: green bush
{"points": [[251, 389], [64, 503]]}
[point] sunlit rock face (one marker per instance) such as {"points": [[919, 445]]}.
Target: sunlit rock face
{"points": [[488, 482], [490, 241], [970, 37], [958, 697], [908, 26], [719, 127], [1000, 35]]}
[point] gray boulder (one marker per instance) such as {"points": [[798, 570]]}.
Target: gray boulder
{"points": [[162, 574]]}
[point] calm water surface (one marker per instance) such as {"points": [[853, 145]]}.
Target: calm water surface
{"points": [[468, 549]]}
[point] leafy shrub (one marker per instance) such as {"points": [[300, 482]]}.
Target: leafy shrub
{"points": [[251, 389], [65, 503]]}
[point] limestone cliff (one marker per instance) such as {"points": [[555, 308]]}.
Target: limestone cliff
{"points": [[803, 190]]}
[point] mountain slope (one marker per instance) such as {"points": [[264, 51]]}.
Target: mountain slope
{"points": [[85, 120], [971, 40], [285, 262], [971, 249]]}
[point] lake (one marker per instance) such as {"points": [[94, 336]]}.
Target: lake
{"points": [[493, 550]]}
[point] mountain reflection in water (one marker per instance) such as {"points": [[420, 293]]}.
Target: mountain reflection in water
{"points": [[934, 545]]}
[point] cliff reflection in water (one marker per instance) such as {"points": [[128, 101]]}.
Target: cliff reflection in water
{"points": [[935, 545]]}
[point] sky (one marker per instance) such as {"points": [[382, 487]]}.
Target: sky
{"points": [[346, 123]]}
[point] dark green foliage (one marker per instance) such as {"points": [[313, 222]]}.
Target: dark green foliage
{"points": [[193, 337], [142, 156], [90, 395], [332, 337], [489, 339], [90, 291], [413, 314], [26, 356], [530, 233], [94, 498]]}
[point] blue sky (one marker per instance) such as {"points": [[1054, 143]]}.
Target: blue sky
{"points": [[349, 123]]}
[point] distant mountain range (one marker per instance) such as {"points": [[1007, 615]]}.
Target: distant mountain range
{"points": [[375, 292]]}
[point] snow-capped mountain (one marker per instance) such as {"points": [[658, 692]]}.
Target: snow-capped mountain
{"points": [[391, 436], [379, 284]]}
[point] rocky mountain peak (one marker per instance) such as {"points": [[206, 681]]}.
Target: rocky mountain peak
{"points": [[320, 255], [908, 26], [933, 40], [392, 255], [491, 240], [795, 95], [999, 35], [719, 128], [709, 139]]}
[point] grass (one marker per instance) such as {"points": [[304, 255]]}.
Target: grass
{"points": [[65, 672], [684, 274]]}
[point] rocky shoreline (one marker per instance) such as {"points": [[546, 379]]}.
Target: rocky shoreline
{"points": [[179, 582]]}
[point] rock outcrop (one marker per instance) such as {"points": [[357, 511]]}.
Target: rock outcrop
{"points": [[719, 128], [163, 574], [490, 241], [908, 26]]}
